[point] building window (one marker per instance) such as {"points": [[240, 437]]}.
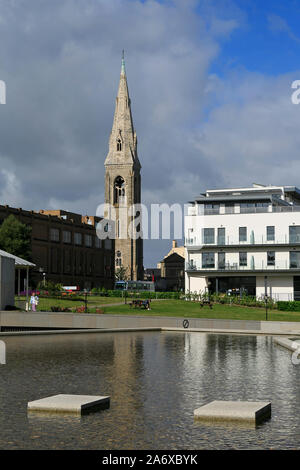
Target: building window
{"points": [[119, 258], [208, 260], [54, 234], [248, 207], [66, 236], [294, 233], [107, 244], [97, 242], [88, 240], [243, 258], [295, 259], [229, 208], [221, 260], [242, 234], [270, 233], [208, 236], [221, 236], [119, 145], [271, 258], [77, 238], [119, 189], [211, 209]]}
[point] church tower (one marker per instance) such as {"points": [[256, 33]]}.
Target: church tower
{"points": [[123, 185]]}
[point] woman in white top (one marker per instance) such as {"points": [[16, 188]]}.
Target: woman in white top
{"points": [[33, 302]]}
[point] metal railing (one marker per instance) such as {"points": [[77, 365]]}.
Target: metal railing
{"points": [[251, 266], [286, 240], [249, 210]]}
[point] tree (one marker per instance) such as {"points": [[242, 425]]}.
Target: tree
{"points": [[15, 238], [121, 274]]}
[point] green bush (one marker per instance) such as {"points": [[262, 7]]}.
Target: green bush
{"points": [[289, 306]]}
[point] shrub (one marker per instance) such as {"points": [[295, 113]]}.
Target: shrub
{"points": [[289, 306], [56, 308]]}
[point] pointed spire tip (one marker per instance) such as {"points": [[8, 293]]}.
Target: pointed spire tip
{"points": [[123, 63]]}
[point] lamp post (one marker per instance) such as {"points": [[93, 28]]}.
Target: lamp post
{"points": [[85, 301], [266, 297], [42, 271]]}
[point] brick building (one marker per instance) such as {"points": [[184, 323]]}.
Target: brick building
{"points": [[66, 248], [172, 268]]}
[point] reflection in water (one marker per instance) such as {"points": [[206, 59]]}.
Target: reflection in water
{"points": [[155, 381]]}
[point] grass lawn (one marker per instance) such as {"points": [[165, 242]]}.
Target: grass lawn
{"points": [[172, 308], [181, 308]]}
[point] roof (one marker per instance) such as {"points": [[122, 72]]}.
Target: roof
{"points": [[178, 250], [19, 262]]}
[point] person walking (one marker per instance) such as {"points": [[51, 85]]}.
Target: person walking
{"points": [[33, 302]]}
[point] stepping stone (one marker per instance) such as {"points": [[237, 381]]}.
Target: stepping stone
{"points": [[256, 411], [79, 404]]}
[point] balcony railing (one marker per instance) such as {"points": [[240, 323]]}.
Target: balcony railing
{"points": [[286, 240], [249, 210], [252, 266]]}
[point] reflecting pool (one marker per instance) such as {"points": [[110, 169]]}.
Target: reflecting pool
{"points": [[155, 381]]}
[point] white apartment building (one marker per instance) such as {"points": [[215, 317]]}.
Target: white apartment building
{"points": [[246, 239]]}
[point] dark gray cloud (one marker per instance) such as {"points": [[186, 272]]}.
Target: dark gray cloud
{"points": [[60, 60]]}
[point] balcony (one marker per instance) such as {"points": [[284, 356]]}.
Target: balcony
{"points": [[196, 242], [248, 210], [250, 267]]}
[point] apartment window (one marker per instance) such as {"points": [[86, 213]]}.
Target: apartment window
{"points": [[77, 238], [66, 236], [229, 208], [271, 258], [54, 234], [221, 236], [295, 259], [208, 260], [88, 240], [294, 232], [243, 258], [221, 260], [242, 234], [248, 207], [208, 236], [270, 233], [210, 209], [98, 242]]}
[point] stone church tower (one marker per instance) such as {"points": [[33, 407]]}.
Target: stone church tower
{"points": [[123, 185]]}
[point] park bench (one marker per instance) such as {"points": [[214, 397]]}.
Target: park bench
{"points": [[206, 302], [140, 304]]}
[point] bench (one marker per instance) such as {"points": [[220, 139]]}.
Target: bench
{"points": [[140, 304], [206, 302]]}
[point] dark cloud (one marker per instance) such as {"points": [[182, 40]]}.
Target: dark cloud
{"points": [[60, 60]]}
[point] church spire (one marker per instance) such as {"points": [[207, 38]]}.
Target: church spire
{"points": [[123, 64], [122, 142]]}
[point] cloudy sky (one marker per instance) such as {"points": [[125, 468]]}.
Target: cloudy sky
{"points": [[210, 85]]}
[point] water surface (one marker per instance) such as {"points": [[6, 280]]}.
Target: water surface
{"points": [[155, 381]]}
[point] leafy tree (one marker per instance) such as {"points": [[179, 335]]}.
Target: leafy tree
{"points": [[121, 274], [15, 238]]}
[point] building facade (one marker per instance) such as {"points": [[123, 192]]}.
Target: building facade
{"points": [[245, 239], [172, 268], [66, 249], [123, 186]]}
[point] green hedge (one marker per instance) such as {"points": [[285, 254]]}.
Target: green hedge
{"points": [[140, 295], [289, 306]]}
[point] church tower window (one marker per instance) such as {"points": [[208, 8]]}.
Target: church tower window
{"points": [[119, 145], [119, 189]]}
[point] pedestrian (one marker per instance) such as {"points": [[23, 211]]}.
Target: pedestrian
{"points": [[33, 302]]}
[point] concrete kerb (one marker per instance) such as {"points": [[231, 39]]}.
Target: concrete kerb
{"points": [[157, 329], [67, 323]]}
